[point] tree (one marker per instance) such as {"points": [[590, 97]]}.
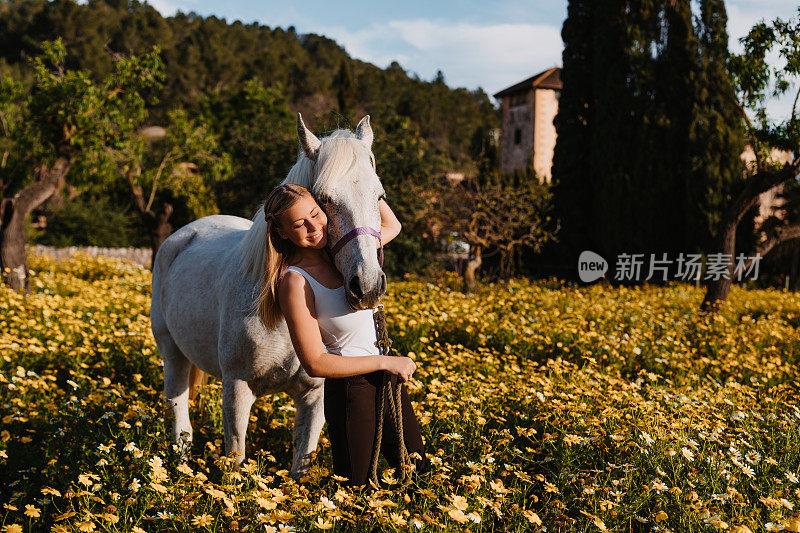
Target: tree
{"points": [[406, 165], [754, 78], [716, 133], [258, 130], [182, 161], [345, 89], [64, 120], [496, 217], [645, 94], [593, 73]]}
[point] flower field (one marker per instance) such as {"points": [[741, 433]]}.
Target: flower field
{"points": [[543, 407]]}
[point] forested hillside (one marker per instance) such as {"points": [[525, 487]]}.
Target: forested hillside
{"points": [[210, 54], [242, 84]]}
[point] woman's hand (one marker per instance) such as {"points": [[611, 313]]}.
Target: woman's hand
{"points": [[403, 367]]}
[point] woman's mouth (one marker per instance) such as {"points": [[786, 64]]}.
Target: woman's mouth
{"points": [[315, 236]]}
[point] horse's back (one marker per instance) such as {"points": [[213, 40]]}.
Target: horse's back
{"points": [[210, 241]]}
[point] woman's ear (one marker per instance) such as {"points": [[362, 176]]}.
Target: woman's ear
{"points": [[278, 229]]}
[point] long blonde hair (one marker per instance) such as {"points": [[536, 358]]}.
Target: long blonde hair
{"points": [[278, 251]]}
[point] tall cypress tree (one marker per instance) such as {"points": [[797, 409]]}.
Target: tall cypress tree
{"points": [[671, 113], [716, 136], [573, 183], [648, 142], [601, 131], [616, 130]]}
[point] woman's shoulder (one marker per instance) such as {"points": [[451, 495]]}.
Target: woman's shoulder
{"points": [[290, 273], [291, 281]]}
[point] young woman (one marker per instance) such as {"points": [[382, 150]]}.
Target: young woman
{"points": [[331, 340]]}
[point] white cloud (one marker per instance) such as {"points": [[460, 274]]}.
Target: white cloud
{"points": [[490, 55], [470, 55], [167, 8]]}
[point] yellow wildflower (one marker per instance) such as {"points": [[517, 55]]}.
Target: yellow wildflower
{"points": [[202, 520], [322, 524], [532, 517], [86, 525]]}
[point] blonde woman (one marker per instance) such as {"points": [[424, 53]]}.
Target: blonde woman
{"points": [[302, 285]]}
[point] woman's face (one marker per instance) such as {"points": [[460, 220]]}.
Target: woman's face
{"points": [[305, 224]]}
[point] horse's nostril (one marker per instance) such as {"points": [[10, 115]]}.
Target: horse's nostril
{"points": [[355, 287], [383, 283]]}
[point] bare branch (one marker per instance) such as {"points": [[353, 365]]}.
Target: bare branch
{"points": [[157, 176], [779, 235]]}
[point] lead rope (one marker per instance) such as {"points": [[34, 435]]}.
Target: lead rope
{"points": [[394, 398]]}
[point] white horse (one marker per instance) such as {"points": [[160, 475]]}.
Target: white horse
{"points": [[207, 275]]}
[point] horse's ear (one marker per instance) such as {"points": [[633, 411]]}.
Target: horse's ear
{"points": [[364, 131], [308, 141]]}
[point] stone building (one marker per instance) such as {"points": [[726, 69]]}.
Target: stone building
{"points": [[770, 203], [527, 130]]}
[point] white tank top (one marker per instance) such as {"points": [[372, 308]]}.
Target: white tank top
{"points": [[344, 331]]}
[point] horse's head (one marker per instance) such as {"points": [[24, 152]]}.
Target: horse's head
{"points": [[348, 189]]}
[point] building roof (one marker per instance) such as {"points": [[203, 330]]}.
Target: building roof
{"points": [[548, 79]]}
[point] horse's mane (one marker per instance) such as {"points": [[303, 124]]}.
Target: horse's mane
{"points": [[337, 157]]}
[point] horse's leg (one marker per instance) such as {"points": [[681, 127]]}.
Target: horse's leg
{"points": [[237, 399], [176, 388], [308, 421]]}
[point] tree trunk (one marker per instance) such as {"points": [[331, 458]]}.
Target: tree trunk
{"points": [[158, 227], [472, 265], [779, 234], [157, 224], [794, 270], [47, 181], [717, 290]]}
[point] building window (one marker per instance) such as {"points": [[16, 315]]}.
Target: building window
{"points": [[517, 136], [518, 99]]}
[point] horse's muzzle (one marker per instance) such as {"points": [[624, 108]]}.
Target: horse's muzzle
{"points": [[365, 295]]}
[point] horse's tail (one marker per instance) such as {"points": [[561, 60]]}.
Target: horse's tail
{"points": [[197, 380]]}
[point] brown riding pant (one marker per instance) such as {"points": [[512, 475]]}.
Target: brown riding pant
{"points": [[351, 410]]}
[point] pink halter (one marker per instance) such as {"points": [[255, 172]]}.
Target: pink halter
{"points": [[359, 231]]}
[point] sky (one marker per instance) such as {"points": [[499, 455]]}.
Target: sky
{"points": [[476, 43]]}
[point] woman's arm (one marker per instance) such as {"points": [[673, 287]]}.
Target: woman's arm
{"points": [[297, 300], [390, 226]]}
